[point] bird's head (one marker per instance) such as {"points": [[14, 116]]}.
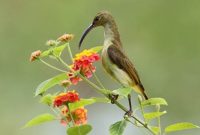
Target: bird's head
{"points": [[101, 19]]}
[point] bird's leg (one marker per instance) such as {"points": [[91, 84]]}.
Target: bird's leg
{"points": [[113, 98], [130, 111]]}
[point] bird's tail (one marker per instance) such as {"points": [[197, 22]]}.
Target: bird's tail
{"points": [[140, 89]]}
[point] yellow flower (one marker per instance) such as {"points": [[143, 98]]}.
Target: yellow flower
{"points": [[84, 53]]}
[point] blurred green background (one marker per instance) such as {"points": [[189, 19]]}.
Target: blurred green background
{"points": [[160, 36]]}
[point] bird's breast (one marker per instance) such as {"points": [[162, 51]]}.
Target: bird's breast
{"points": [[112, 69]]}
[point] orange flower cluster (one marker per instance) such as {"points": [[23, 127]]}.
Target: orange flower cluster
{"points": [[83, 62], [79, 116], [64, 98]]}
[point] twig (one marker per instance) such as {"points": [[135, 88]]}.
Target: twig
{"points": [[51, 66]]}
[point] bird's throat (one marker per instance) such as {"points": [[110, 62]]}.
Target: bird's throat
{"points": [[111, 34]]}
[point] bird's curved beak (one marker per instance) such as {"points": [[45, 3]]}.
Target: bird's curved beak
{"points": [[85, 33]]}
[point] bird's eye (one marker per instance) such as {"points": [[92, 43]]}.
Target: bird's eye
{"points": [[96, 19]]}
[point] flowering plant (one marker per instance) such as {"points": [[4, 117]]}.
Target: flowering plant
{"points": [[69, 108]]}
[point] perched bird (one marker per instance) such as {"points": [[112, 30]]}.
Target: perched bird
{"points": [[114, 60]]}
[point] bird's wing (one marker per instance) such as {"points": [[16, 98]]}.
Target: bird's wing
{"points": [[121, 60]]}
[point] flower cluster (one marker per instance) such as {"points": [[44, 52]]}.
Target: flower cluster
{"points": [[66, 37], [35, 55], [83, 62], [64, 98], [79, 116]]}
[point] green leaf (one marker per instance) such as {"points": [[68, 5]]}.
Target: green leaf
{"points": [[57, 51], [85, 102], [81, 103], [54, 51], [79, 130], [155, 129], [180, 126], [123, 91], [105, 91], [44, 86], [101, 100], [47, 99], [153, 115], [118, 128], [46, 53], [39, 120], [154, 101], [97, 48]]}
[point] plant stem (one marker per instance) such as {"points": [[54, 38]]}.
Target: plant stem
{"points": [[131, 122], [54, 110], [65, 64], [141, 107], [98, 81], [70, 53], [51, 66], [70, 114], [159, 123]]}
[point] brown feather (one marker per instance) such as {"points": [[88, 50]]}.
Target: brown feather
{"points": [[117, 57]]}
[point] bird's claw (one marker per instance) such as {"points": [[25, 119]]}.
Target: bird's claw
{"points": [[128, 113], [113, 98]]}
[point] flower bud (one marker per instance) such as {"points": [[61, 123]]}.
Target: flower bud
{"points": [[65, 83], [66, 37], [35, 55], [51, 43]]}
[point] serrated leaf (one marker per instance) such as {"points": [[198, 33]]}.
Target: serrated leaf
{"points": [[44, 86], [154, 101], [123, 91], [97, 49], [39, 120], [47, 99], [156, 130], [153, 115], [118, 128], [180, 126], [79, 130]]}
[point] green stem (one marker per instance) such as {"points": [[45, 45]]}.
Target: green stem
{"points": [[65, 64], [141, 107], [70, 53], [98, 81], [131, 122], [70, 114], [54, 111], [159, 123], [51, 66]]}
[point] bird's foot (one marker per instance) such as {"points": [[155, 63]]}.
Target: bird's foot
{"points": [[128, 113], [113, 98]]}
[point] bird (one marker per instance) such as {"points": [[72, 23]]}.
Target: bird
{"points": [[114, 59]]}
